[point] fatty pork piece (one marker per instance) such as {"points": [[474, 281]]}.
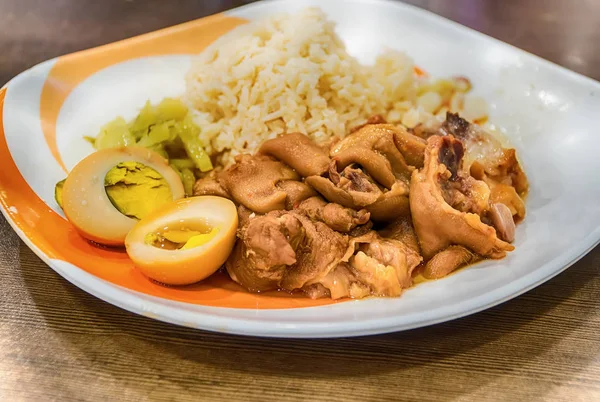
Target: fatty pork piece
{"points": [[411, 146], [402, 229], [284, 249], [374, 147], [334, 215], [443, 263], [259, 182], [507, 182], [209, 185], [372, 265], [244, 216], [251, 182], [351, 188], [487, 160], [445, 205], [481, 148], [391, 204], [299, 152], [356, 189], [447, 261], [370, 170], [296, 192]]}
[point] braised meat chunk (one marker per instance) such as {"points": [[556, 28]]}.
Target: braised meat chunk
{"points": [[487, 160], [351, 188], [410, 146], [369, 169], [445, 203], [506, 181], [320, 252], [251, 182], [502, 219], [267, 245], [372, 265], [447, 261], [341, 282], [260, 183], [284, 249], [334, 215], [374, 148], [356, 189], [391, 204], [209, 185], [392, 257], [299, 152], [402, 229], [296, 192]]}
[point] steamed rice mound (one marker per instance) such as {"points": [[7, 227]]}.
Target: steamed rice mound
{"points": [[292, 73]]}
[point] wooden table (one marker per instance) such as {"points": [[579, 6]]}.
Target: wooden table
{"points": [[59, 343]]}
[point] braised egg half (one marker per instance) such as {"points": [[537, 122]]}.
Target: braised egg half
{"points": [[109, 191], [185, 241]]}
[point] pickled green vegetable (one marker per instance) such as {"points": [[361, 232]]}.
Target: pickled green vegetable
{"points": [[171, 109], [178, 171], [58, 189], [182, 163], [167, 129], [158, 134], [159, 149], [188, 178], [189, 134], [114, 134], [144, 120]]}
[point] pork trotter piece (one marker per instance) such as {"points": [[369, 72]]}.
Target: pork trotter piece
{"points": [[437, 223]]}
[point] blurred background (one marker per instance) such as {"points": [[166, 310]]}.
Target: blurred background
{"points": [[31, 31]]}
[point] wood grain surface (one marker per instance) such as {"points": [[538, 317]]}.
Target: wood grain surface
{"points": [[59, 343]]}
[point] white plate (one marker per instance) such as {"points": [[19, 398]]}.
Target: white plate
{"points": [[548, 112]]}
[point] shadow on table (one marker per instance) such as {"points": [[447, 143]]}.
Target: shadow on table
{"points": [[508, 340]]}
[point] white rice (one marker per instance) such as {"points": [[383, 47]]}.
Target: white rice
{"points": [[291, 73]]}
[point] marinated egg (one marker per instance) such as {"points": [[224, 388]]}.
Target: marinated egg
{"points": [[184, 241], [106, 193]]}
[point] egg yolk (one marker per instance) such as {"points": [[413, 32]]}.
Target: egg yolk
{"points": [[180, 239], [135, 189]]}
